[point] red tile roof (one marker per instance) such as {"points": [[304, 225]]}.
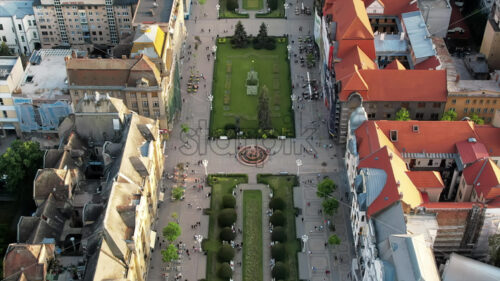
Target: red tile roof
{"points": [[398, 185], [471, 151], [489, 136], [430, 137], [484, 175], [402, 85], [450, 205], [352, 20], [426, 179], [395, 64], [395, 7], [430, 63], [355, 56]]}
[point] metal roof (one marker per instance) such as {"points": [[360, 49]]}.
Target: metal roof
{"points": [[420, 38]]}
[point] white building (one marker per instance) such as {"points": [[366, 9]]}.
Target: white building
{"points": [[18, 27]]}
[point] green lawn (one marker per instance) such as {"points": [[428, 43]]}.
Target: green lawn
{"points": [[225, 14], [221, 185], [253, 4], [231, 103], [252, 235], [279, 12], [282, 187]]}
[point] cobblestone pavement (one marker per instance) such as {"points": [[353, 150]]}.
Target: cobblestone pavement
{"points": [[311, 132]]}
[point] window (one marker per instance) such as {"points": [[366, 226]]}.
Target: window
{"points": [[480, 101], [452, 108], [478, 110], [20, 27], [29, 22], [419, 116], [430, 162], [34, 35], [144, 95], [421, 104], [4, 38], [434, 116], [472, 110], [94, 33], [487, 101], [405, 105], [494, 101], [156, 113], [1, 26], [4, 114], [371, 115], [156, 104], [485, 110], [474, 101], [453, 101], [154, 95], [146, 112], [492, 110], [100, 32], [467, 101], [488, 120], [145, 103], [436, 105], [134, 105], [22, 39], [388, 116]]}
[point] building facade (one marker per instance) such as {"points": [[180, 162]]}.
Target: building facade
{"points": [[18, 27], [86, 25], [11, 73], [490, 46]]}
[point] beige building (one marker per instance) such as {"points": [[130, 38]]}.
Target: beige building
{"points": [[490, 46], [83, 25], [97, 194], [11, 73]]}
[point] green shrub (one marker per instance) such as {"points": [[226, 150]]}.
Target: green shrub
{"points": [[278, 219], [227, 217], [278, 234], [227, 234], [231, 5], [225, 272], [231, 134], [280, 271], [278, 252], [273, 4], [225, 253], [228, 201], [230, 126], [277, 204], [269, 44]]}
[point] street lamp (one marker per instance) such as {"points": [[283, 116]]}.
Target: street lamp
{"points": [[205, 164], [299, 163], [289, 48], [210, 99], [199, 238], [304, 239], [218, 8], [286, 8]]}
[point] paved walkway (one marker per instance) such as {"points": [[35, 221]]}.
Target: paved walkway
{"points": [[311, 132]]}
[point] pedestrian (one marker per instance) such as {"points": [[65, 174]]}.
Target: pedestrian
{"points": [[302, 219]]}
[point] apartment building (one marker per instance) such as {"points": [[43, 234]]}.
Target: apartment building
{"points": [[490, 46], [11, 73], [18, 27], [96, 196], [85, 25]]}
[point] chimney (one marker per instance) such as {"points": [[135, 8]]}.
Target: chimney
{"points": [[457, 79]]}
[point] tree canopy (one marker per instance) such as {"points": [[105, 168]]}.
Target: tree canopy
{"points": [[170, 253], [449, 115], [240, 38], [171, 231], [4, 50], [325, 188], [476, 119], [403, 115], [334, 240], [330, 206], [177, 193], [19, 164]]}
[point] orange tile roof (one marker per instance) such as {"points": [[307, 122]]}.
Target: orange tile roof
{"points": [[471, 151], [430, 63], [450, 205], [395, 7], [398, 185], [395, 64], [355, 82], [352, 20], [402, 85], [426, 179], [355, 56], [489, 136], [484, 175]]}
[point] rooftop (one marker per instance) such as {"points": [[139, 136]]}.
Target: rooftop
{"points": [[395, 7], [151, 11], [460, 268], [18, 8], [6, 65], [44, 77], [390, 43], [420, 38]]}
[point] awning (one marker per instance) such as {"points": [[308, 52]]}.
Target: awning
{"points": [[152, 239]]}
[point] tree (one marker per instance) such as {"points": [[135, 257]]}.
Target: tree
{"points": [[278, 234], [225, 253], [239, 39], [185, 128], [277, 219], [403, 115], [19, 164], [333, 240], [476, 119], [273, 4], [280, 271], [177, 193], [172, 231], [449, 115], [494, 245], [227, 234], [4, 50], [225, 272], [170, 253], [228, 201], [330, 206], [263, 107], [262, 32], [277, 203], [325, 188], [231, 5], [227, 217], [278, 252]]}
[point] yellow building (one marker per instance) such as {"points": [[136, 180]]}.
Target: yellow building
{"points": [[481, 97]]}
